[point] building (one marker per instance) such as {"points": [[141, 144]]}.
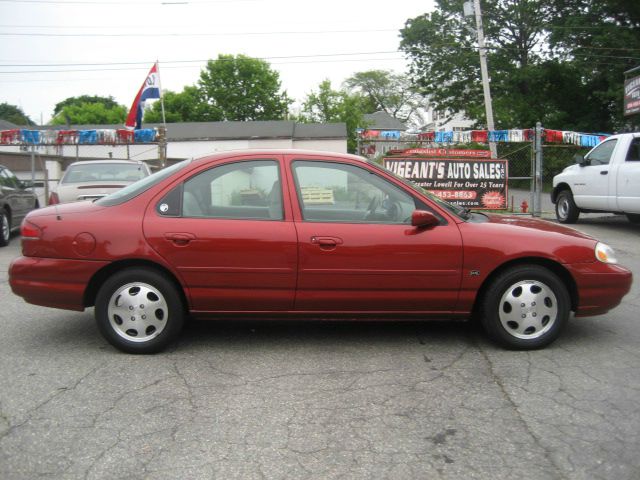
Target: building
{"points": [[183, 140]]}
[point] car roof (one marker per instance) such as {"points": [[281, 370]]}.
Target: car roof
{"points": [[91, 162], [278, 151]]}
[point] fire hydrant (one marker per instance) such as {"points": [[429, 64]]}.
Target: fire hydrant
{"points": [[524, 206]]}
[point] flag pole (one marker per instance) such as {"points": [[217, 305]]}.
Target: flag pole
{"points": [[164, 121]]}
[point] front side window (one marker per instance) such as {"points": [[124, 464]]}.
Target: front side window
{"points": [[601, 155], [335, 192], [240, 190], [8, 179]]}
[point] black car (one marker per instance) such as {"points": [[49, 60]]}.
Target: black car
{"points": [[16, 200]]}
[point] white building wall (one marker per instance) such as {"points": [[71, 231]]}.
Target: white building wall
{"points": [[329, 145], [201, 148]]}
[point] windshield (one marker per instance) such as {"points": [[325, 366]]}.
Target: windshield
{"points": [[135, 189], [458, 211], [104, 172]]}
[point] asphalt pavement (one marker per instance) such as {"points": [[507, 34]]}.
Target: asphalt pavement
{"points": [[351, 400]]}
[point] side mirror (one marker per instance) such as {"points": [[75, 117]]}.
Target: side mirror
{"points": [[423, 219], [580, 160]]}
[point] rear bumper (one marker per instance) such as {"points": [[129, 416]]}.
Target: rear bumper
{"points": [[600, 286], [50, 282]]}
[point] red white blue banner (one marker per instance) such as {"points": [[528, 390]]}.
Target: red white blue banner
{"points": [[149, 89]]}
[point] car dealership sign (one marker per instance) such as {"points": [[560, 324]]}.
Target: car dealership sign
{"points": [[632, 95], [478, 184]]}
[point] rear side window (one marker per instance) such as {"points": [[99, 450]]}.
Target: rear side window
{"points": [[249, 190], [633, 155]]}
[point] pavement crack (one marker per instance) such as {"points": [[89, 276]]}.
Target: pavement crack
{"points": [[558, 471]]}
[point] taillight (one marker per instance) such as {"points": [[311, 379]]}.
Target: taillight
{"points": [[53, 198], [29, 231]]}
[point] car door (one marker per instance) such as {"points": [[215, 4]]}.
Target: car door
{"points": [[357, 249], [628, 180], [591, 191], [15, 195], [230, 236]]}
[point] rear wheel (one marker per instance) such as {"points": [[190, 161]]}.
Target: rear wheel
{"points": [[5, 229], [525, 307], [566, 209], [633, 217], [138, 310]]}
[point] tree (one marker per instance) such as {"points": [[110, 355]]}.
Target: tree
{"points": [[328, 105], [108, 102], [186, 106], [87, 110], [393, 93], [241, 88], [542, 57], [14, 114]]}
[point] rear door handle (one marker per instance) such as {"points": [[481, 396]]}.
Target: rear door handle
{"points": [[326, 241], [180, 238], [604, 172]]}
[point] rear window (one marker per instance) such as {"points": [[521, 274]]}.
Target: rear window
{"points": [[104, 172]]}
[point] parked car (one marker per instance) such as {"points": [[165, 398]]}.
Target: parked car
{"points": [[607, 179], [93, 179], [256, 233], [16, 200]]}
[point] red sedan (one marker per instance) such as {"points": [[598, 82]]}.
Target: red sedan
{"points": [[307, 235]]}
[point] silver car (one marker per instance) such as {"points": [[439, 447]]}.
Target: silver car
{"points": [[92, 179]]}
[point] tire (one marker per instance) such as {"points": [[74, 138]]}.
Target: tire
{"points": [[525, 308], [633, 217], [5, 229], [566, 209], [138, 310]]}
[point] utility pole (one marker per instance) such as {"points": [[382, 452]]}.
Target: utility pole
{"points": [[488, 105]]}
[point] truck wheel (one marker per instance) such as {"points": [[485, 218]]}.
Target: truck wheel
{"points": [[566, 209], [633, 217], [138, 310], [525, 307]]}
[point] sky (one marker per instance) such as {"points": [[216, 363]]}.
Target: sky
{"points": [[54, 49]]}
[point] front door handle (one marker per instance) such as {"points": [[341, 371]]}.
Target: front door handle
{"points": [[604, 172], [180, 238]]}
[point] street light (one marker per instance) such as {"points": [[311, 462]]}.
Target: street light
{"points": [[472, 8]]}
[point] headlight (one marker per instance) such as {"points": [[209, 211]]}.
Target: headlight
{"points": [[605, 253]]}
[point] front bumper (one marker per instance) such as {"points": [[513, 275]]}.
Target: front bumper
{"points": [[51, 282], [600, 286]]}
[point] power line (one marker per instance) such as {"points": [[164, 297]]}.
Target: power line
{"points": [[194, 34], [146, 62], [127, 2]]}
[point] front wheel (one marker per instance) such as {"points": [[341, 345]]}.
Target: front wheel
{"points": [[525, 307], [5, 229], [138, 310], [566, 209]]}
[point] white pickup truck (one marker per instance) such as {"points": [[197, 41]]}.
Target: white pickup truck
{"points": [[607, 179]]}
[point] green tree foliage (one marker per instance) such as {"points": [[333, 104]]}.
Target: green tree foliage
{"points": [[241, 88], [547, 60], [186, 106], [108, 102], [14, 114], [328, 105], [383, 90], [89, 110]]}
